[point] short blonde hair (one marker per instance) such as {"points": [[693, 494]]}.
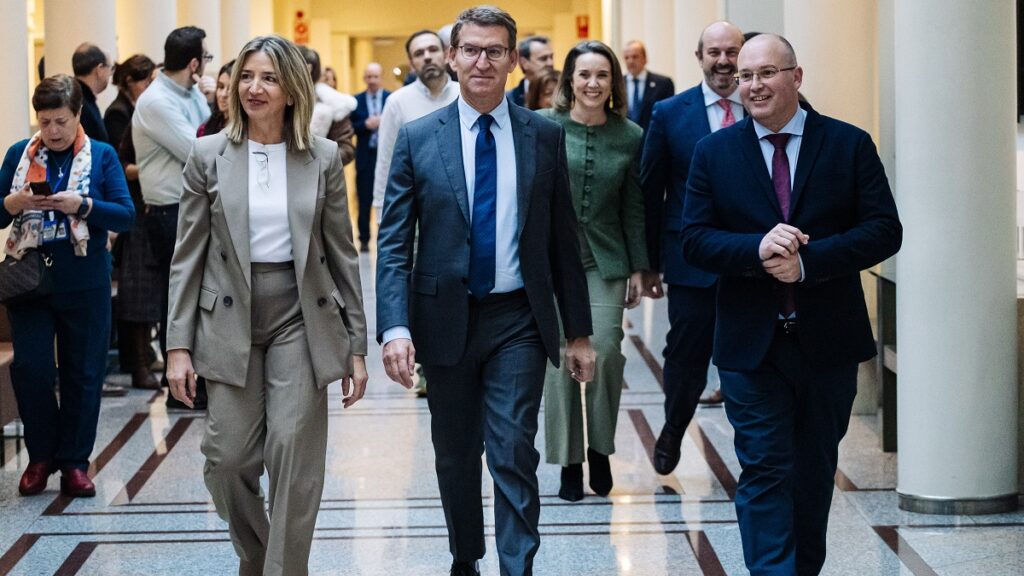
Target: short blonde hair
{"points": [[294, 79]]}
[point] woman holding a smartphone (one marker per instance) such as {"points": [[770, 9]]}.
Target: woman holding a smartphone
{"points": [[62, 193]]}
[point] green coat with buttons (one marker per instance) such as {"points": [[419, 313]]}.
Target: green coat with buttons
{"points": [[604, 176]]}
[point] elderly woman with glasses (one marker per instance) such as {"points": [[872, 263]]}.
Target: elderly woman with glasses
{"points": [[603, 150], [266, 304], [62, 192]]}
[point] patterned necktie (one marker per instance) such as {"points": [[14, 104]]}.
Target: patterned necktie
{"points": [[485, 196], [728, 119], [783, 191]]}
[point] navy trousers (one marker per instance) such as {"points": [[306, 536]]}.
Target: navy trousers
{"points": [[491, 399], [688, 344], [364, 193], [64, 432], [789, 417]]}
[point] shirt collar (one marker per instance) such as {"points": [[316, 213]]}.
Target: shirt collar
{"points": [[711, 97], [172, 85], [795, 126], [641, 76], [469, 115]]}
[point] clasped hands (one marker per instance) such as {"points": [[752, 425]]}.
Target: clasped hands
{"points": [[779, 252]]}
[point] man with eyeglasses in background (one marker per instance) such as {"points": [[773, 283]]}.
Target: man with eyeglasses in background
{"points": [[787, 208], [535, 56], [164, 126], [486, 184], [92, 69], [677, 124]]}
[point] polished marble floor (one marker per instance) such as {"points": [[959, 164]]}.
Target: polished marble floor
{"points": [[381, 515]]}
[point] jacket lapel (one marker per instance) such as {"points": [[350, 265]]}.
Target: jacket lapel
{"points": [[449, 146], [233, 182], [303, 176], [810, 145], [697, 114], [755, 160], [524, 135]]}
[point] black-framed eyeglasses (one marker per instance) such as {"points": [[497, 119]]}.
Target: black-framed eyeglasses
{"points": [[494, 53], [766, 73], [207, 57]]}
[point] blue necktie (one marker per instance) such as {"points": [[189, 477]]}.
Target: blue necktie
{"points": [[485, 197], [634, 113]]}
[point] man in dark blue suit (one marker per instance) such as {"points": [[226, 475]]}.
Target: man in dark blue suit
{"points": [[535, 55], [643, 87], [365, 120], [676, 126], [486, 186], [787, 208]]}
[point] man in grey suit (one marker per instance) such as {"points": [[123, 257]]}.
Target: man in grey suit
{"points": [[486, 184]]}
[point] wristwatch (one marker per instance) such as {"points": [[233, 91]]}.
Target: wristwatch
{"points": [[83, 209]]}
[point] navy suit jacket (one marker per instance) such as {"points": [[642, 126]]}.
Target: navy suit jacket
{"points": [[427, 190], [677, 124], [658, 88], [366, 157], [841, 199], [517, 95]]}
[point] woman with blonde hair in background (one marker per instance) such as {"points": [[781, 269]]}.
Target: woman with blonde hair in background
{"points": [[266, 304]]}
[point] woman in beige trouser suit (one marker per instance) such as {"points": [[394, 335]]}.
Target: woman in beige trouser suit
{"points": [[265, 303]]}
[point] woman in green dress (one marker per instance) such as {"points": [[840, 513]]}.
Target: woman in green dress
{"points": [[603, 150]]}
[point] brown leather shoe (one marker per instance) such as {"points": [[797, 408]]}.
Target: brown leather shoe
{"points": [[76, 483], [33, 480], [713, 398], [143, 379]]}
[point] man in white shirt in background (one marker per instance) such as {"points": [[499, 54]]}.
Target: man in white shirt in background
{"points": [[164, 126]]}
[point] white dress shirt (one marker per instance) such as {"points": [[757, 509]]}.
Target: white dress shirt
{"points": [[642, 77], [270, 238], [715, 112]]}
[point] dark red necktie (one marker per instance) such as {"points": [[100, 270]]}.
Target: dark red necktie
{"points": [[783, 191]]}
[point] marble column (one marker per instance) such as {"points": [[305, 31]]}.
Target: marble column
{"points": [[206, 14], [68, 23], [14, 59], [143, 26], [955, 128], [242, 20], [691, 18]]}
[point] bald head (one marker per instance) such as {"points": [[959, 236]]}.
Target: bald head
{"points": [[372, 76], [717, 51], [775, 42], [770, 80]]}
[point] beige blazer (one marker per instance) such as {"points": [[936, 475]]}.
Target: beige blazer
{"points": [[209, 306]]}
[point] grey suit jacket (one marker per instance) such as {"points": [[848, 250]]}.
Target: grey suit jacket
{"points": [[427, 191], [209, 312]]}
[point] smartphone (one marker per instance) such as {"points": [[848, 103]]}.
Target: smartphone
{"points": [[41, 188]]}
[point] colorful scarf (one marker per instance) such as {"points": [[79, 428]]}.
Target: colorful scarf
{"points": [[27, 229]]}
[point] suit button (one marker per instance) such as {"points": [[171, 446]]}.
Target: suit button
{"points": [[586, 188], [323, 259], [585, 202], [590, 172], [228, 301], [223, 256], [321, 301], [584, 220]]}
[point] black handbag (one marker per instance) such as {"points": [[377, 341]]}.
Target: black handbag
{"points": [[25, 279]]}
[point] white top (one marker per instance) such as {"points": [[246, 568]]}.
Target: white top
{"points": [[403, 106], [506, 266], [163, 130], [270, 238], [715, 112]]}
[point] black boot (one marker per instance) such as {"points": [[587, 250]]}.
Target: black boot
{"points": [[139, 336], [600, 472], [572, 483]]}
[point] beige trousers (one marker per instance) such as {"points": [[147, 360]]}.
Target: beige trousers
{"points": [[277, 422]]}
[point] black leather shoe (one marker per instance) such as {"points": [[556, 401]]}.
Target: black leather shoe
{"points": [[600, 472], [666, 452], [465, 569], [572, 483]]}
